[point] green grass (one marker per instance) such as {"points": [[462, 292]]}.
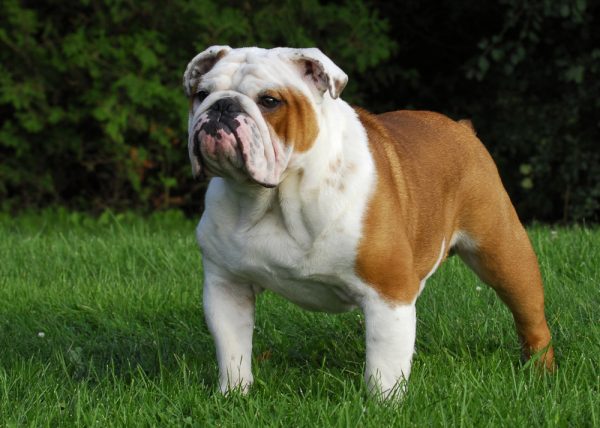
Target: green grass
{"points": [[118, 303]]}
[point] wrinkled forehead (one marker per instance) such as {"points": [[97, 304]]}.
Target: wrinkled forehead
{"points": [[252, 70]]}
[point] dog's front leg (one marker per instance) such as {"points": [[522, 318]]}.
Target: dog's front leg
{"points": [[229, 313], [390, 336]]}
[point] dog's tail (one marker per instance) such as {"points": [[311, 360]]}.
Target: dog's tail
{"points": [[469, 124]]}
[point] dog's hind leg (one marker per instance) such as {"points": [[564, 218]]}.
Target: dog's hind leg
{"points": [[496, 246]]}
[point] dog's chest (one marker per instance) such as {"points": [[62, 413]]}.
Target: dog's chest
{"points": [[315, 272]]}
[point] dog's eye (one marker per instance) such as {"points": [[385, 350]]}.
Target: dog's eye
{"points": [[201, 95], [268, 102]]}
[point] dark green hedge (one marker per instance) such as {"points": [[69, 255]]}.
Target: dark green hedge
{"points": [[93, 114]]}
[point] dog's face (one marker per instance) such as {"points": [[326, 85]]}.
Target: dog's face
{"points": [[252, 110]]}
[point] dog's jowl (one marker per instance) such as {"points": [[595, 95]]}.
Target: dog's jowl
{"points": [[335, 208]]}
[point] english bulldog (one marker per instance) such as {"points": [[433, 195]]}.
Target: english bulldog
{"points": [[336, 208]]}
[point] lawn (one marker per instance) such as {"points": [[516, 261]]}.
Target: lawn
{"points": [[101, 324]]}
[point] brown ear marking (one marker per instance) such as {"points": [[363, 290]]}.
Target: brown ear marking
{"points": [[294, 121], [209, 63], [206, 64], [200, 65], [317, 75], [320, 69]]}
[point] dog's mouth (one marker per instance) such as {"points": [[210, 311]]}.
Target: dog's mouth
{"points": [[218, 148], [230, 144], [231, 139]]}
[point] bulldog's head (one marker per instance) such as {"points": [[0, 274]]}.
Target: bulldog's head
{"points": [[252, 109]]}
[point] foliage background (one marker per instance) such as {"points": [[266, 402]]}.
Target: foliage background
{"points": [[93, 116]]}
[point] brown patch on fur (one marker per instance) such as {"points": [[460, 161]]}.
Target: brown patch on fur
{"points": [[294, 121], [384, 257], [434, 178], [335, 166], [420, 159]]}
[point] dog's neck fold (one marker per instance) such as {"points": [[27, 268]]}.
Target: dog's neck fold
{"points": [[317, 187]]}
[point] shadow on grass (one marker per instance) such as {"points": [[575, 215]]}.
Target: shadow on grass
{"points": [[84, 342], [99, 344], [93, 345]]}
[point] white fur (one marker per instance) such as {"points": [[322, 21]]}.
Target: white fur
{"points": [[391, 332], [463, 241], [434, 268], [229, 313], [466, 247], [299, 239]]}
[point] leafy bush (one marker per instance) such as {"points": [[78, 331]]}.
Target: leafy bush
{"points": [[91, 91], [94, 116], [526, 73], [544, 66]]}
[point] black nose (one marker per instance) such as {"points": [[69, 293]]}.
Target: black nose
{"points": [[227, 106]]}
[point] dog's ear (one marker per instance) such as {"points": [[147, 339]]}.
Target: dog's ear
{"points": [[200, 65], [319, 70]]}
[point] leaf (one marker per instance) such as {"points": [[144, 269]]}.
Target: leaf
{"points": [[575, 74], [527, 183], [483, 64], [497, 54], [525, 169]]}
